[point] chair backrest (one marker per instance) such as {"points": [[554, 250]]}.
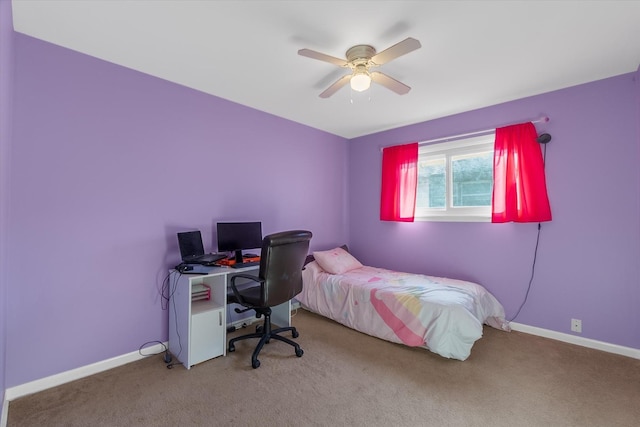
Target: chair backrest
{"points": [[281, 262]]}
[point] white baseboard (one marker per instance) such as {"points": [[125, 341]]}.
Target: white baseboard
{"points": [[581, 341], [75, 374], [4, 415]]}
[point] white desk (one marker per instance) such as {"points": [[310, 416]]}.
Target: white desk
{"points": [[198, 329]]}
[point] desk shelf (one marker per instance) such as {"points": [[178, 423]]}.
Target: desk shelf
{"points": [[203, 306]]}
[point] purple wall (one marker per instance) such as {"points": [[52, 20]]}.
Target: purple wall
{"points": [[6, 80], [587, 266], [108, 164]]}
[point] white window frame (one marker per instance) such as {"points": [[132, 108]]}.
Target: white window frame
{"points": [[472, 145]]}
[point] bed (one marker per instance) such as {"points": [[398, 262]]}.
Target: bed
{"points": [[444, 315]]}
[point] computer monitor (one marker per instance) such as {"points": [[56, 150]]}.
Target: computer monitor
{"points": [[236, 236]]}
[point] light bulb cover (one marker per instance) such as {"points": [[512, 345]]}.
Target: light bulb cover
{"points": [[360, 81]]}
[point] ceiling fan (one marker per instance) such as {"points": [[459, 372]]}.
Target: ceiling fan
{"points": [[360, 59]]}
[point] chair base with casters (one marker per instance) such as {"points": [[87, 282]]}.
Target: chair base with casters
{"points": [[266, 333]]}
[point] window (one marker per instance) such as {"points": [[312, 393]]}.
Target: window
{"points": [[455, 180]]}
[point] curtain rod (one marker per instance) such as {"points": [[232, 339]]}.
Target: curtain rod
{"points": [[542, 119]]}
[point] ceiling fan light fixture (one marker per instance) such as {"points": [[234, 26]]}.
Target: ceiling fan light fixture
{"points": [[360, 81], [360, 58]]}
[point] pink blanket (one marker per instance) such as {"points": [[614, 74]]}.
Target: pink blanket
{"points": [[441, 314]]}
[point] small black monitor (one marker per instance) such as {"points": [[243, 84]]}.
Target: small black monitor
{"points": [[236, 236]]}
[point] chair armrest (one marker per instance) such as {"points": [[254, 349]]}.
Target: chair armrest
{"points": [[237, 293]]}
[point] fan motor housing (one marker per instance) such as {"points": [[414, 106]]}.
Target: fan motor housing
{"points": [[361, 52]]}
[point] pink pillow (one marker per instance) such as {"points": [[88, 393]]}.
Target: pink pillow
{"points": [[336, 261]]}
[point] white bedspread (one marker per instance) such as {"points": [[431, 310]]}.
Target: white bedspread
{"points": [[441, 314]]}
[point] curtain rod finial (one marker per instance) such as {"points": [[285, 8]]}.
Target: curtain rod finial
{"points": [[544, 138]]}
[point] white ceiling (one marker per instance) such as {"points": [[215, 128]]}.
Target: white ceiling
{"points": [[474, 53]]}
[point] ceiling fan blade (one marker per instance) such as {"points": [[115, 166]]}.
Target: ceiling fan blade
{"points": [[390, 83], [322, 57], [405, 46], [335, 86]]}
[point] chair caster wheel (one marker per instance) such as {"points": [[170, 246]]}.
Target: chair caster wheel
{"points": [[255, 364], [232, 348], [295, 334], [259, 329], [299, 352]]}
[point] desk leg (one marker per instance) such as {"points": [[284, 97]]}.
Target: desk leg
{"points": [[281, 314]]}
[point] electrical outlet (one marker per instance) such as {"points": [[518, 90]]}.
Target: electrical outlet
{"points": [[576, 325]]}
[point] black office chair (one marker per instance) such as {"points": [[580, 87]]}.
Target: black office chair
{"points": [[279, 280]]}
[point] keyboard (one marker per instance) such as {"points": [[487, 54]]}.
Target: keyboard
{"points": [[245, 264]]}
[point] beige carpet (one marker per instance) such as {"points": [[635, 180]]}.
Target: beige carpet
{"points": [[346, 378]]}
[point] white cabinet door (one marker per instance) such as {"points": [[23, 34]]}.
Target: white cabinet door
{"points": [[207, 335]]}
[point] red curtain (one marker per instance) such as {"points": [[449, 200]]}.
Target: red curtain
{"points": [[399, 182], [519, 185]]}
